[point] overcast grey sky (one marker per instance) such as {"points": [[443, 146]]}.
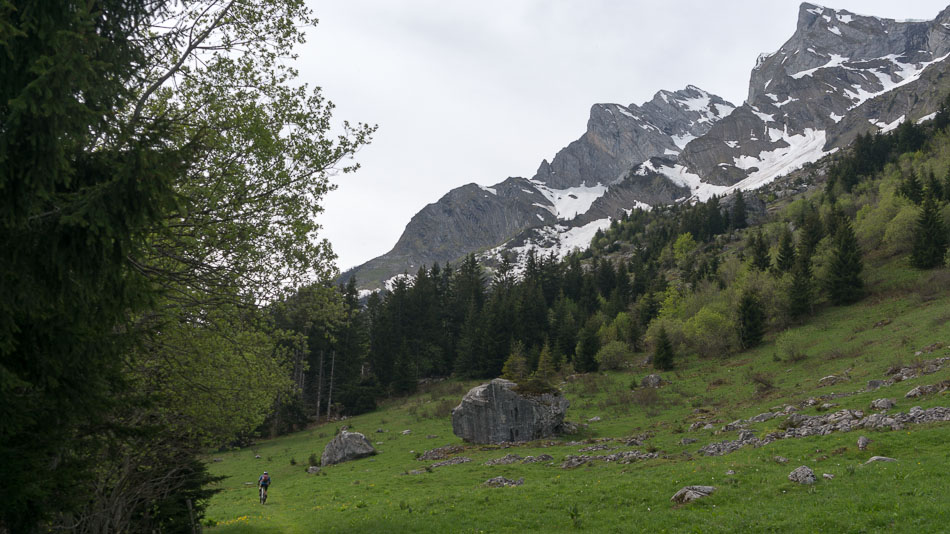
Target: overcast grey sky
{"points": [[476, 91]]}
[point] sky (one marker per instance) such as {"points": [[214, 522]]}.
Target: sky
{"points": [[477, 91]]}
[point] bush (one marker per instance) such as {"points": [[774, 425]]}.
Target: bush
{"points": [[790, 348], [711, 333], [313, 460], [614, 355]]}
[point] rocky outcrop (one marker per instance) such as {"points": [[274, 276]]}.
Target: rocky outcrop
{"points": [[691, 493], [496, 413], [802, 475], [346, 446]]}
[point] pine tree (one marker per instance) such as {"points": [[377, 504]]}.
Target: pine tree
{"points": [[934, 188], [663, 353], [843, 281], [739, 212], [516, 366], [911, 189], [802, 289], [930, 238], [812, 232], [545, 368], [585, 360], [786, 252], [751, 321], [946, 186], [760, 251]]}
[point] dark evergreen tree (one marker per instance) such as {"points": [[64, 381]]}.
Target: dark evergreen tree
{"points": [[786, 251], [933, 188], [911, 188], [663, 352], [751, 321], [760, 251], [843, 282], [588, 344], [738, 217], [930, 237], [801, 292], [468, 360], [812, 232]]}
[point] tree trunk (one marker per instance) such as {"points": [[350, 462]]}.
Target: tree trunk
{"points": [[330, 389], [319, 385]]}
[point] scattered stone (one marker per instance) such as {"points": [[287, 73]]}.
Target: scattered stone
{"points": [[451, 461], [780, 459], [440, 453], [219, 459], [735, 425], [730, 472], [691, 493], [709, 426], [875, 384], [762, 417], [802, 475], [594, 448], [879, 459], [502, 482], [495, 412], [920, 391], [883, 404], [827, 476], [826, 406], [594, 419], [572, 461], [346, 446], [863, 442], [687, 441], [406, 432], [418, 471], [313, 470], [537, 459], [790, 409], [257, 456], [505, 460], [652, 381], [831, 380]]}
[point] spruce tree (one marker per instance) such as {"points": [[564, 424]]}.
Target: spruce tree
{"points": [[585, 360], [738, 218], [751, 321], [801, 291], [930, 238], [516, 366], [786, 252], [910, 187], [843, 281], [760, 252], [812, 232], [545, 368], [934, 188], [663, 352]]}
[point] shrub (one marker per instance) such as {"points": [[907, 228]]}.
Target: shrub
{"points": [[710, 333], [614, 355], [790, 347], [313, 460]]}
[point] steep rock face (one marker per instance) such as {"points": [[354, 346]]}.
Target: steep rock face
{"points": [[618, 136], [495, 413], [833, 63]]}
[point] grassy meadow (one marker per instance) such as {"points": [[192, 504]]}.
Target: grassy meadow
{"points": [[907, 312]]}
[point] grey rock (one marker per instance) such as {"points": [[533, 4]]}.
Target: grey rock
{"points": [[687, 441], [505, 460], [827, 476], [780, 459], [830, 380], [863, 442], [883, 404], [502, 482], [874, 384], [346, 446], [495, 413], [652, 381], [440, 453], [762, 417], [452, 461], [406, 432], [257, 456], [594, 419], [730, 472], [432, 436], [802, 475], [691, 493], [313, 470], [219, 459], [538, 459], [879, 459]]}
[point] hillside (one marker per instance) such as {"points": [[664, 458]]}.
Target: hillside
{"points": [[904, 322]]}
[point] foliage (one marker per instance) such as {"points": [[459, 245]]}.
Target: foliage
{"points": [[751, 320], [930, 237], [842, 280], [709, 333], [614, 355], [663, 351]]}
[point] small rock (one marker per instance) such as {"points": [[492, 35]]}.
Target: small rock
{"points": [[505, 460], [417, 471], [432, 436], [452, 461], [313, 470], [780, 459], [594, 419], [691, 493], [802, 475], [874, 384], [257, 456], [687, 441], [827, 476], [883, 404], [790, 409], [219, 459], [501, 482], [830, 380], [652, 381], [863, 442], [879, 459], [826, 406], [762, 417], [406, 432], [709, 426], [730, 472], [380, 431], [537, 459]]}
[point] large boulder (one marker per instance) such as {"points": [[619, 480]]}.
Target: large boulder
{"points": [[496, 413], [346, 446]]}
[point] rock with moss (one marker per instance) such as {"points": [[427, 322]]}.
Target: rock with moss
{"points": [[499, 411]]}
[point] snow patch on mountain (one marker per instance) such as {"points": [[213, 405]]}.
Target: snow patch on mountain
{"points": [[770, 164], [570, 202]]}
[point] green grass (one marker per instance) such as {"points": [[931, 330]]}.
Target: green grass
{"points": [[376, 494]]}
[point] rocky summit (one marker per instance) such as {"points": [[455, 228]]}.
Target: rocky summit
{"points": [[838, 76]]}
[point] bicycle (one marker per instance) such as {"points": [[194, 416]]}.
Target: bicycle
{"points": [[263, 491]]}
